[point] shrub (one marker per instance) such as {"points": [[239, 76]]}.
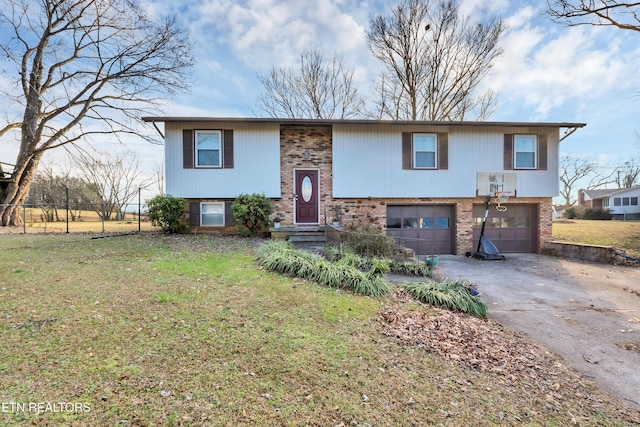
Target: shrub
{"points": [[574, 212], [450, 294], [169, 213], [596, 214], [251, 213], [366, 240]]}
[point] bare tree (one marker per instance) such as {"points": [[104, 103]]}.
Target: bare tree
{"points": [[434, 60], [158, 172], [316, 89], [574, 170], [627, 174], [114, 179], [80, 68], [624, 15], [50, 189]]}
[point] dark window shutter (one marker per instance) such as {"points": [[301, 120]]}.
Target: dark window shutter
{"points": [[443, 151], [407, 150], [508, 151], [228, 215], [187, 149], [194, 214], [227, 142], [542, 152]]}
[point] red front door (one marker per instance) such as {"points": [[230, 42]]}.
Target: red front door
{"points": [[306, 196]]}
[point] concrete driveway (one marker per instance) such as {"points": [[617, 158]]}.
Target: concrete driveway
{"points": [[586, 313]]}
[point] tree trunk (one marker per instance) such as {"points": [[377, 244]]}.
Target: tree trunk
{"points": [[18, 189]]}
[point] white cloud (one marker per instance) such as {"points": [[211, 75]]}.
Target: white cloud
{"points": [[472, 8], [549, 67], [262, 33]]}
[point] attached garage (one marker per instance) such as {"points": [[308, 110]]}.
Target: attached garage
{"points": [[426, 229], [512, 231]]}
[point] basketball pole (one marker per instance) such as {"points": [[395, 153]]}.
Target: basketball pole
{"points": [[484, 221]]}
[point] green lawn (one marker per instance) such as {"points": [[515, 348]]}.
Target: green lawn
{"points": [[620, 234], [160, 330]]}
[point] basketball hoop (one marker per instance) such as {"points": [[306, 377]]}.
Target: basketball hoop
{"points": [[502, 197]]}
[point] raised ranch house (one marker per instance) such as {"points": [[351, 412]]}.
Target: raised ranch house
{"points": [[415, 180], [622, 203]]}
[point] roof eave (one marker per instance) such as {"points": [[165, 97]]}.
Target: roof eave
{"points": [[327, 122]]}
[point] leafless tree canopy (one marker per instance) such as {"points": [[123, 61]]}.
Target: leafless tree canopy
{"points": [[624, 15], [577, 170], [317, 89], [113, 179], [626, 174], [81, 68], [434, 61]]}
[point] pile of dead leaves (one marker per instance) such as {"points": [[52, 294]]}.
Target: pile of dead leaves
{"points": [[515, 364], [468, 341]]}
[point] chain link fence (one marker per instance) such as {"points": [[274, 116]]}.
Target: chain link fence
{"points": [[79, 218]]}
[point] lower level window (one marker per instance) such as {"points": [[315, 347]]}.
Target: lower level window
{"points": [[212, 214]]}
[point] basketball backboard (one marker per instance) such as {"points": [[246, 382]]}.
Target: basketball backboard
{"points": [[489, 183]]}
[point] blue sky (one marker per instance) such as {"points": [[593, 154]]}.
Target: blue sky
{"points": [[547, 72]]}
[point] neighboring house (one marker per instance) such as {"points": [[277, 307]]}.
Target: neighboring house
{"points": [[558, 211], [622, 203], [416, 180]]}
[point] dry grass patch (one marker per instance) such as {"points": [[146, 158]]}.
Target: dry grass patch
{"points": [[620, 234], [187, 330]]}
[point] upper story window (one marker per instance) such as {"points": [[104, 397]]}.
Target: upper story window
{"points": [[425, 150], [208, 148], [524, 153]]}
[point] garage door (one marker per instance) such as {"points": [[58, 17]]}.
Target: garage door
{"points": [[425, 229], [514, 230]]}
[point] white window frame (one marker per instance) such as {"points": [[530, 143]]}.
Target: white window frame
{"points": [[605, 202], [196, 149], [516, 151], [202, 213], [435, 151]]}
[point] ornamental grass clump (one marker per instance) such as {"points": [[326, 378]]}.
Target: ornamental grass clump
{"points": [[281, 257], [450, 294], [407, 268]]}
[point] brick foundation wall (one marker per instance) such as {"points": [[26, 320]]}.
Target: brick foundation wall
{"points": [[373, 211]]}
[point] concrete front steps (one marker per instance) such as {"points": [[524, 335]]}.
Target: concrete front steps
{"points": [[310, 237]]}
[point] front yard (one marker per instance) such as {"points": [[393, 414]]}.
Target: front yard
{"points": [[620, 234], [188, 330]]}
